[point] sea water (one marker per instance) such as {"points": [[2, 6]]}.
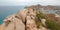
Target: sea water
{"points": [[8, 10]]}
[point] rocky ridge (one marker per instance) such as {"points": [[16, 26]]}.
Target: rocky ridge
{"points": [[26, 19]]}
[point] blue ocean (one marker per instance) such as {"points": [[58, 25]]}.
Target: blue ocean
{"points": [[8, 10]]}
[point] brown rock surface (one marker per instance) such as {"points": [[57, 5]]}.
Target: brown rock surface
{"points": [[24, 19]]}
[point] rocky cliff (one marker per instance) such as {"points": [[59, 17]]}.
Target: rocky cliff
{"points": [[26, 19]]}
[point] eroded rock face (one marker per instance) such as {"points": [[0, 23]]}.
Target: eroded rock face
{"points": [[14, 24], [30, 24], [23, 20]]}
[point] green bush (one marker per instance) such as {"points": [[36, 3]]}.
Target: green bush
{"points": [[52, 25], [38, 21], [39, 16]]}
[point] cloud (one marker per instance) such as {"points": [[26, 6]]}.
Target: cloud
{"points": [[18, 2], [29, 2]]}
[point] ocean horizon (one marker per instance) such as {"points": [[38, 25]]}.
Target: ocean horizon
{"points": [[8, 10]]}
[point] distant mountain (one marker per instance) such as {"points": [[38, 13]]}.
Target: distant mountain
{"points": [[48, 7]]}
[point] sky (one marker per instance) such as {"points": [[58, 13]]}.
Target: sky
{"points": [[28, 2]]}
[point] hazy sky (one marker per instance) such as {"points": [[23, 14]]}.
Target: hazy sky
{"points": [[29, 2]]}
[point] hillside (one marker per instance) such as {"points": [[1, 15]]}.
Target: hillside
{"points": [[31, 18]]}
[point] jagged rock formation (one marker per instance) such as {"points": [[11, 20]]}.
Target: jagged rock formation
{"points": [[23, 20]]}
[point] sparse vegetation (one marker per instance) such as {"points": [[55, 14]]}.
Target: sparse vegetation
{"points": [[38, 21], [52, 25], [39, 16], [49, 23]]}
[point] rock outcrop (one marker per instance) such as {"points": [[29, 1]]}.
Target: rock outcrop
{"points": [[13, 22], [23, 20]]}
